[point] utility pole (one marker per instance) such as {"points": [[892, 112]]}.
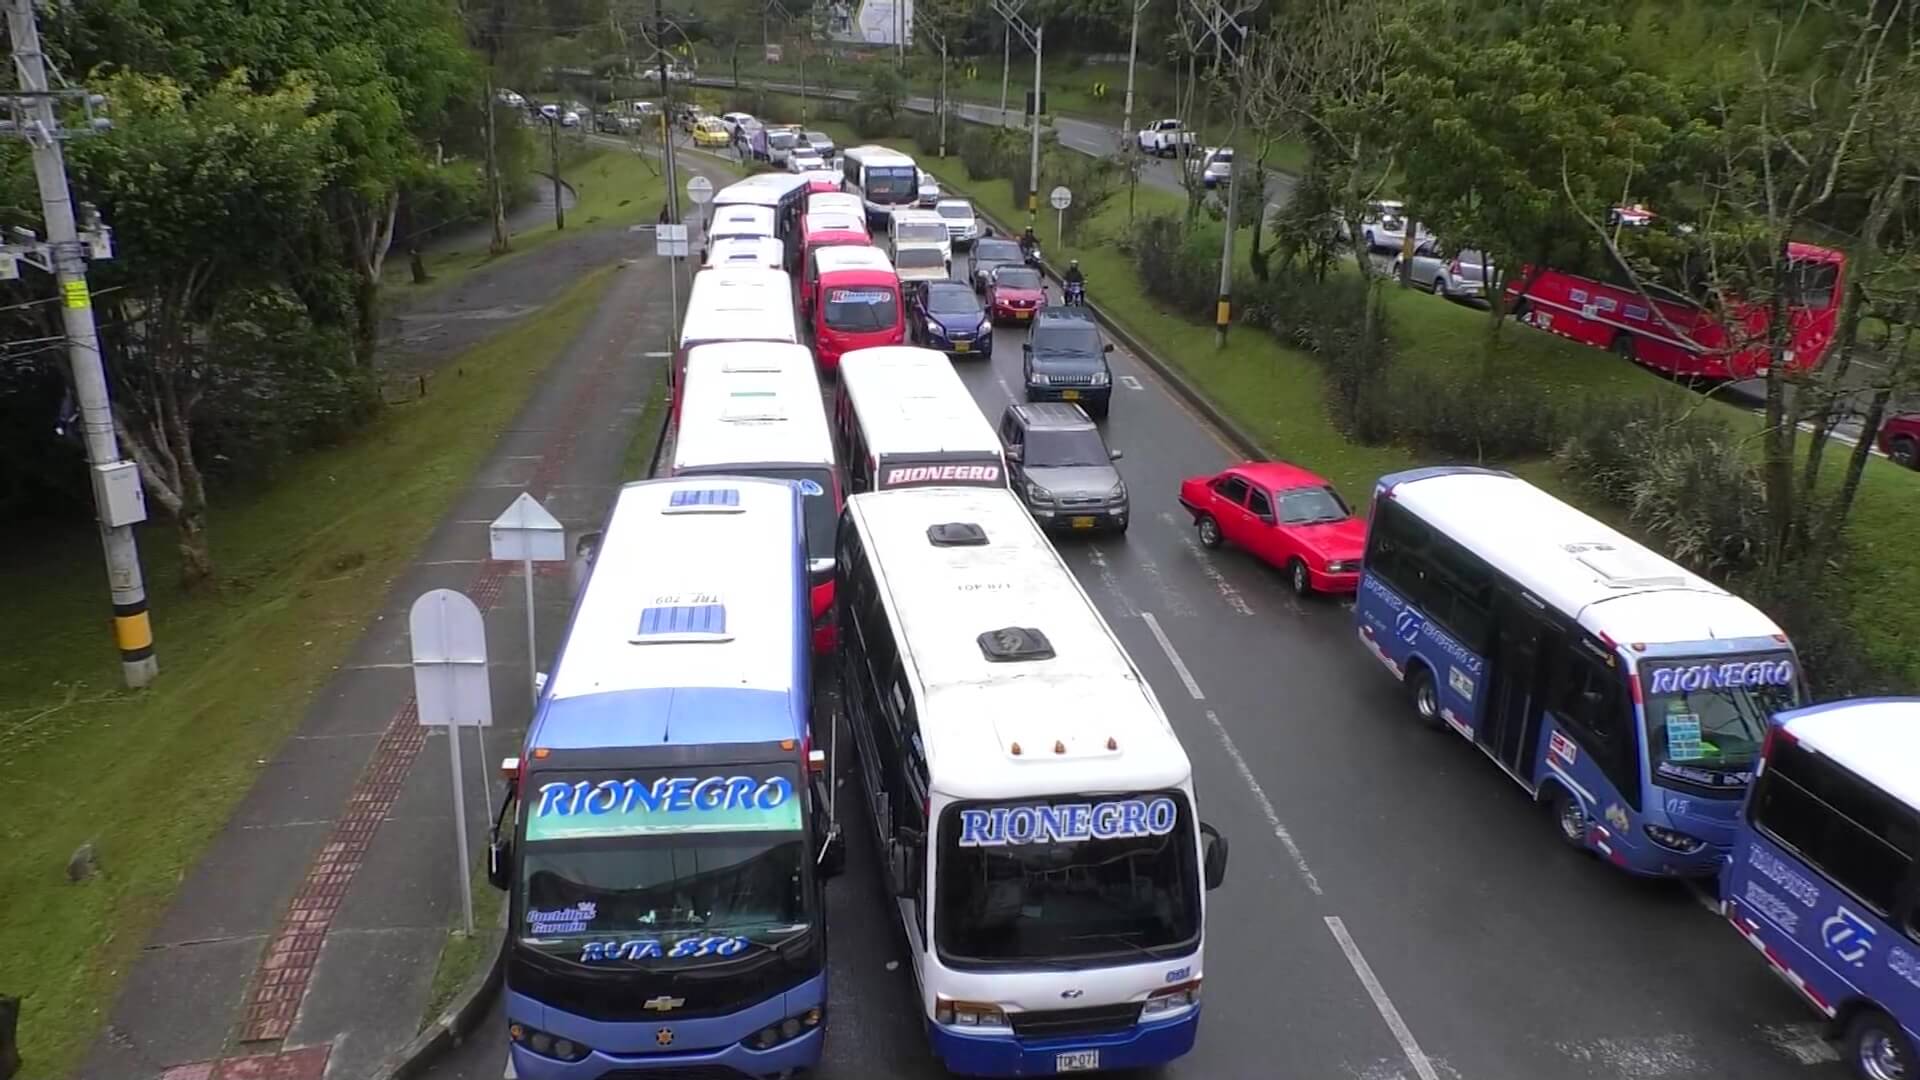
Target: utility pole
{"points": [[1219, 21], [1006, 65], [666, 128], [1127, 137], [553, 147], [1031, 36], [118, 499], [941, 38]]}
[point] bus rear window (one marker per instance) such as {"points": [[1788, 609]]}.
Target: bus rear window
{"points": [[861, 310]]}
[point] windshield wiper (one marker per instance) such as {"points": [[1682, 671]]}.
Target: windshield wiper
{"points": [[1123, 937]]}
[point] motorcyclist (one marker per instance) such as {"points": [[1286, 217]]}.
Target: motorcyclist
{"points": [[1029, 243], [1074, 283]]}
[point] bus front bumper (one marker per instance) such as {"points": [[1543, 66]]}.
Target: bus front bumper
{"points": [[1005, 1054], [666, 1043]]}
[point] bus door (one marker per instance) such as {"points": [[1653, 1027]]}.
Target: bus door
{"points": [[1525, 642]]}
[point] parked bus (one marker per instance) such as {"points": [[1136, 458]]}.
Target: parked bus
{"points": [[664, 837], [1822, 880], [1034, 811], [904, 419], [884, 179], [734, 304], [1681, 335], [1629, 694], [754, 409], [853, 301]]}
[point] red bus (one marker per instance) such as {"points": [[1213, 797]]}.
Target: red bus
{"points": [[853, 296], [1676, 335]]}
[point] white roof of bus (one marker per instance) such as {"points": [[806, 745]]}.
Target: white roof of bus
{"points": [[878, 155], [751, 403], [1877, 739], [744, 221], [746, 560], [1610, 582], [974, 710], [760, 189], [749, 251], [738, 304], [836, 200], [910, 401], [835, 218], [851, 257]]}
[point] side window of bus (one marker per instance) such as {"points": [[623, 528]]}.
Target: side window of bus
{"points": [[1864, 841], [1591, 704]]}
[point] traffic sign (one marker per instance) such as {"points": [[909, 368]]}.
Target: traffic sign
{"points": [[1061, 198], [450, 690], [700, 190], [670, 241]]}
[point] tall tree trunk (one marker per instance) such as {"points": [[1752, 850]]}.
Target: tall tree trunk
{"points": [[196, 556], [1828, 390], [372, 236], [1776, 462]]}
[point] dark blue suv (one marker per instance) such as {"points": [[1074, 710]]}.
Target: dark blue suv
{"points": [[1066, 360]]}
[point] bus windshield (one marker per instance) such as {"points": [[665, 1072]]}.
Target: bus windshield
{"points": [[859, 310], [654, 858], [1108, 877], [893, 183], [1707, 718]]}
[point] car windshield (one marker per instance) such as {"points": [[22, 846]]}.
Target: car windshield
{"points": [[1101, 877], [1017, 277], [782, 140], [1064, 448], [1707, 718], [819, 138], [952, 300], [996, 251], [921, 232], [1812, 284], [1311, 506], [1223, 157], [957, 211], [859, 310], [1066, 336]]}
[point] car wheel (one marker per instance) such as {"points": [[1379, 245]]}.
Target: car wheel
{"points": [[1425, 695], [1569, 818], [1440, 287], [1370, 241], [1904, 451], [1877, 1049], [1209, 531], [1298, 577]]}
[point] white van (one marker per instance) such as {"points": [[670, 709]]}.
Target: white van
{"points": [[923, 230]]}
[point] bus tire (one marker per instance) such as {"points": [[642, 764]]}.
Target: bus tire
{"points": [[1569, 817], [1424, 693], [1904, 451], [1209, 531], [1876, 1048], [1622, 346]]}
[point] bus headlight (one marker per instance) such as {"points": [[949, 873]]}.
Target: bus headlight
{"points": [[546, 1045], [1171, 1000], [972, 1014], [1674, 841], [786, 1030]]}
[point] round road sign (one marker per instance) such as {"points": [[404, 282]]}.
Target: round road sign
{"points": [[700, 190], [1061, 198]]}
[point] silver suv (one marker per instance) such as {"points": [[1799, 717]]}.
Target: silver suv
{"points": [[1062, 468]]}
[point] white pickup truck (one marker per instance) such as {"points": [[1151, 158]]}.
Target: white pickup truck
{"points": [[1164, 138]]}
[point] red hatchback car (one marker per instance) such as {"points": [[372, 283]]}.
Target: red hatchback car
{"points": [[1900, 439], [1284, 514], [1015, 293]]}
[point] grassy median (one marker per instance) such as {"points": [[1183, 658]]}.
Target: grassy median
{"points": [[149, 778]]}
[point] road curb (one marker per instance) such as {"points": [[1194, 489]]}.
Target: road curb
{"points": [[457, 1021], [1210, 410]]}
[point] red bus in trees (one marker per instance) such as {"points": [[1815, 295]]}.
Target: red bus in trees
{"points": [[1679, 336]]}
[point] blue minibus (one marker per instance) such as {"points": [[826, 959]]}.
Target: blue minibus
{"points": [[664, 837], [1626, 693], [1823, 879]]}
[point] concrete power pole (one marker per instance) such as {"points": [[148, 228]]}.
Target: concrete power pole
{"points": [[666, 127], [1030, 35], [116, 482]]}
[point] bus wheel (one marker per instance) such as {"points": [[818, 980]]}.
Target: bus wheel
{"points": [[1623, 348], [1425, 694], [1904, 451], [1877, 1049], [1569, 817]]}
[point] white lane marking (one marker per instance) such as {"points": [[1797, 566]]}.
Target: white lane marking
{"points": [[1805, 1043], [1175, 601], [1005, 388], [1632, 1059], [1401, 1033], [1228, 591], [1131, 382], [1266, 805], [1703, 897], [657, 355], [1179, 665], [510, 1073], [1108, 581]]}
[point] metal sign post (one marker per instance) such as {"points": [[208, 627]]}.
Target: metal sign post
{"points": [[450, 690], [528, 534], [1061, 198]]}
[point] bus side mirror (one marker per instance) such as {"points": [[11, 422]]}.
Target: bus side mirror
{"points": [[584, 551], [500, 848], [900, 869], [833, 855], [1115, 455], [1213, 859]]}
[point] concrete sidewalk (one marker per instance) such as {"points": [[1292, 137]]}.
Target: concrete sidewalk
{"points": [[303, 944]]}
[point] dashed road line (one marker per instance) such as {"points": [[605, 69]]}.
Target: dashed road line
{"points": [[1131, 383], [1179, 665], [1401, 1032], [1109, 581], [1266, 805], [1228, 591]]}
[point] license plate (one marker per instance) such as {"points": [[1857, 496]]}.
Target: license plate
{"points": [[1083, 523], [1023, 314], [963, 346], [1069, 395], [1077, 1061]]}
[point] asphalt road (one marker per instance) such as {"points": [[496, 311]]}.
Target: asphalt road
{"points": [[1395, 908]]}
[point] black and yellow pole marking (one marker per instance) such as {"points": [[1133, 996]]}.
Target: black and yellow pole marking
{"points": [[1222, 314], [133, 631]]}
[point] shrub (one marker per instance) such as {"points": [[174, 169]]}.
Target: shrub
{"points": [[1174, 263], [1480, 417]]}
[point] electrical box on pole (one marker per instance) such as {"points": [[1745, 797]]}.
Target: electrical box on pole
{"points": [[1042, 110]]}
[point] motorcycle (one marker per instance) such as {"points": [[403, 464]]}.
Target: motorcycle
{"points": [[1075, 293]]}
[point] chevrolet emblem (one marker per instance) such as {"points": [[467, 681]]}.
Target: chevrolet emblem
{"points": [[663, 1003], [664, 1036]]}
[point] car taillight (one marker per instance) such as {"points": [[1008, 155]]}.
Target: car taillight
{"points": [[1454, 268]]}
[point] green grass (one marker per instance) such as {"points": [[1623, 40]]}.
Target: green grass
{"points": [[646, 433], [1275, 394], [464, 953], [149, 778]]}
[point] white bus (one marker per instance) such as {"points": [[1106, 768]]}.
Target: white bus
{"points": [[734, 304], [884, 179], [1628, 694], [754, 409], [904, 419], [1034, 810]]}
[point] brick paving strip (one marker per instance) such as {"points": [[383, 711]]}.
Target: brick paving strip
{"points": [[279, 985]]}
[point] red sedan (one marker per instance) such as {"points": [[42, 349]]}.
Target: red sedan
{"points": [[1900, 439], [1284, 514], [1015, 293]]}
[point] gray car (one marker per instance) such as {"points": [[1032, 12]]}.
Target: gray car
{"points": [[989, 255], [1460, 274], [1063, 469]]}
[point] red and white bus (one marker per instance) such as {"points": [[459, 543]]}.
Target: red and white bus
{"points": [[904, 419], [825, 229], [1676, 335], [853, 301], [754, 409]]}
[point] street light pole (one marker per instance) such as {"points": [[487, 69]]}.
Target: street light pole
{"points": [[1218, 21], [1033, 171], [666, 127], [1006, 65], [1127, 136], [943, 94]]}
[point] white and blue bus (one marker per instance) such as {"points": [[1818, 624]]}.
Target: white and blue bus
{"points": [[1034, 810], [1825, 875], [664, 837], [886, 180], [1628, 694]]}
